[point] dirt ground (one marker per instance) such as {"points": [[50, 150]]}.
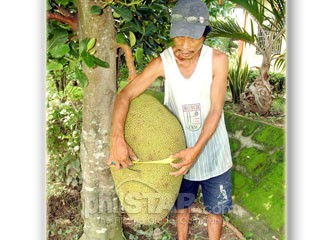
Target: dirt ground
{"points": [[65, 222]]}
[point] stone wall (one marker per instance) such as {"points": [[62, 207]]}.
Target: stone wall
{"points": [[258, 152]]}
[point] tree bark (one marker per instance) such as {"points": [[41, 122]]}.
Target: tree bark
{"points": [[100, 204], [258, 96]]}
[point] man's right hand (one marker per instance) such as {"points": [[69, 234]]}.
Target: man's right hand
{"points": [[121, 154]]}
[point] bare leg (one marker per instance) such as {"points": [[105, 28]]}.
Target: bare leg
{"points": [[214, 226], [182, 219]]}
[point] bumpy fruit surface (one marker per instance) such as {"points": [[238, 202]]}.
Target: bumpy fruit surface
{"points": [[147, 191]]}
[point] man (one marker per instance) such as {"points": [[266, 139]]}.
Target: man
{"points": [[195, 86]]}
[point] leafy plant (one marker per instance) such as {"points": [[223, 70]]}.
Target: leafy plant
{"points": [[219, 11], [238, 78], [276, 80], [141, 25], [270, 17], [280, 61], [65, 56], [64, 116]]}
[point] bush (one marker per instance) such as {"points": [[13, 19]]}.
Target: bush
{"points": [[276, 80], [64, 120], [238, 79]]}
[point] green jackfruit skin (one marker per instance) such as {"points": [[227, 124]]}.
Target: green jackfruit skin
{"points": [[147, 192]]}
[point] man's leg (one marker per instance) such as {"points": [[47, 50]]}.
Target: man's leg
{"points": [[217, 200], [182, 219], [187, 194], [214, 226]]}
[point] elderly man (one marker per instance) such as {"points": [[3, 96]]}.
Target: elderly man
{"points": [[195, 86]]}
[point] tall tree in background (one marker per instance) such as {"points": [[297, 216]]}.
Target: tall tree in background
{"points": [[269, 15]]}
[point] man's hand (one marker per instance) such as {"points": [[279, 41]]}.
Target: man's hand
{"points": [[188, 157], [121, 154]]}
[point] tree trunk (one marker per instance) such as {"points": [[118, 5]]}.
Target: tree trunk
{"points": [[258, 96], [100, 204]]}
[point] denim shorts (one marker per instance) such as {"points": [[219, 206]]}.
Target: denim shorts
{"points": [[216, 193]]}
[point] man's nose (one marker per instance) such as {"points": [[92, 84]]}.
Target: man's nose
{"points": [[185, 44]]}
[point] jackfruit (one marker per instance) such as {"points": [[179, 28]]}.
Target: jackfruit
{"points": [[147, 192]]}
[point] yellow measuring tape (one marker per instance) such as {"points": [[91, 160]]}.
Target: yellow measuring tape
{"points": [[163, 161]]}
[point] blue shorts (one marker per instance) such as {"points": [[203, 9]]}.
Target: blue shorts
{"points": [[216, 193]]}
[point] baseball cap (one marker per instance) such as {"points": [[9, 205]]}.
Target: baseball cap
{"points": [[189, 18]]}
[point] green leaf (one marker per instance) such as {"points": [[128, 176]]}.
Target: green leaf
{"points": [[120, 38], [59, 50], [139, 55], [123, 12], [100, 62], [48, 6], [146, 10], [59, 36], [91, 43], [95, 10], [54, 66], [137, 26], [83, 45], [132, 39], [62, 2], [116, 15], [150, 29], [88, 59], [130, 26], [81, 77]]}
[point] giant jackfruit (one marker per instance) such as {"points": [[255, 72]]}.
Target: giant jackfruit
{"points": [[147, 191]]}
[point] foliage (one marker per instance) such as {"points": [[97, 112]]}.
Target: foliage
{"points": [[279, 105], [238, 79], [276, 80], [220, 11], [64, 117], [269, 15], [280, 63], [143, 26]]}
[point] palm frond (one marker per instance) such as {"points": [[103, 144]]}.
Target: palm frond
{"points": [[254, 7], [280, 61], [231, 29], [278, 13]]}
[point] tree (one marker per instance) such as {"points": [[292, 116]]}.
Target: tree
{"points": [[100, 204], [269, 15], [84, 39]]}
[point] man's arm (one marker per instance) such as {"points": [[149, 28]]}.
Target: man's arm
{"points": [[218, 90], [120, 152]]}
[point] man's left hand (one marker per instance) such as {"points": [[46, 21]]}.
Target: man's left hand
{"points": [[188, 157]]}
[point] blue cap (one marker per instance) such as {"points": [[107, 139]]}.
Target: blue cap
{"points": [[189, 19]]}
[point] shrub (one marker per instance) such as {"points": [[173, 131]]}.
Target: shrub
{"points": [[276, 80], [238, 79], [64, 119]]}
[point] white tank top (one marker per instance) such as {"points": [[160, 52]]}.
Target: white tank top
{"points": [[189, 99]]}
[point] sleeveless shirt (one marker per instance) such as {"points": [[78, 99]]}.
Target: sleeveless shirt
{"points": [[189, 99]]}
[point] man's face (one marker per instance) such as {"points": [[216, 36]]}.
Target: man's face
{"points": [[186, 47]]}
